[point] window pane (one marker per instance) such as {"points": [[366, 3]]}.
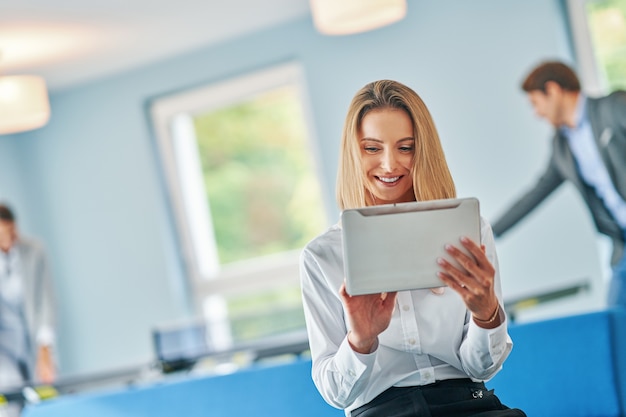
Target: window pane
{"points": [[246, 199], [607, 24], [266, 313], [260, 182]]}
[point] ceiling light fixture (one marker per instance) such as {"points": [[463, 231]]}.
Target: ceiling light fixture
{"points": [[344, 17], [24, 103]]}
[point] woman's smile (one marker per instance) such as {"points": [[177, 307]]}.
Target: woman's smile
{"points": [[389, 180]]}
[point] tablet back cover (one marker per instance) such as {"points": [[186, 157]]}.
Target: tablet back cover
{"points": [[395, 247]]}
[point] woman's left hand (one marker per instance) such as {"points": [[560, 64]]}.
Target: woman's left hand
{"points": [[474, 281]]}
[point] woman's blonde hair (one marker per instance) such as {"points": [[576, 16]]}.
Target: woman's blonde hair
{"points": [[431, 177]]}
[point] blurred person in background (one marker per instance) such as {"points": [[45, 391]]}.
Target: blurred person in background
{"points": [[588, 150], [26, 309]]}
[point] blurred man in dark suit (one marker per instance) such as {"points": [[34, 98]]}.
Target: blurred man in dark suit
{"points": [[589, 150]]}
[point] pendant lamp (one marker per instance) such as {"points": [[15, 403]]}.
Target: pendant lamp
{"points": [[344, 17], [24, 103]]}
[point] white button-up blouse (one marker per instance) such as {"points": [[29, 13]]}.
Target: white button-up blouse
{"points": [[431, 336]]}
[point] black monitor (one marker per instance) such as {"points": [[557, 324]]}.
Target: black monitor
{"points": [[179, 347]]}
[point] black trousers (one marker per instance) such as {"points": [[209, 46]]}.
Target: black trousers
{"points": [[453, 397]]}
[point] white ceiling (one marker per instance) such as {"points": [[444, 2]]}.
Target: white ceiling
{"points": [[73, 41]]}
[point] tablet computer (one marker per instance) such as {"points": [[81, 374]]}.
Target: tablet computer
{"points": [[394, 247]]}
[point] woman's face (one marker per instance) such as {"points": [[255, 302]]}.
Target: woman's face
{"points": [[387, 150]]}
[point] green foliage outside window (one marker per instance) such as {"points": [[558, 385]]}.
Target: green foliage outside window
{"points": [[260, 185], [607, 23]]}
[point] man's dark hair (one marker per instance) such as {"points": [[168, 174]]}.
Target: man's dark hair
{"points": [[6, 214], [554, 71]]}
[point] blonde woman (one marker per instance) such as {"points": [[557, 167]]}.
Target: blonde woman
{"points": [[410, 353]]}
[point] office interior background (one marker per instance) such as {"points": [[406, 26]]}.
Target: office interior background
{"points": [[95, 184]]}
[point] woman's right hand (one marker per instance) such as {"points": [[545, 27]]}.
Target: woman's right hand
{"points": [[369, 316]]}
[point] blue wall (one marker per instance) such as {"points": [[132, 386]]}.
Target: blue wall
{"points": [[89, 183], [11, 181]]}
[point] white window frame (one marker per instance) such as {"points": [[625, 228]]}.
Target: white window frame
{"points": [[258, 273], [587, 65]]}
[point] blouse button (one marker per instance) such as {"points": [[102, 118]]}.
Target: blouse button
{"points": [[405, 308]]}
